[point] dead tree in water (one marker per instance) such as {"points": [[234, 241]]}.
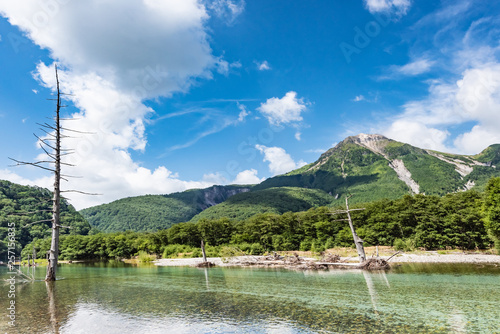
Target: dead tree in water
{"points": [[51, 145], [357, 240], [56, 201]]}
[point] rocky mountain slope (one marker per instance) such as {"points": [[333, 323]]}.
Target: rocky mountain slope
{"points": [[371, 167]]}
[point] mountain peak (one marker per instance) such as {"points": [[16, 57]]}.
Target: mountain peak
{"points": [[374, 142]]}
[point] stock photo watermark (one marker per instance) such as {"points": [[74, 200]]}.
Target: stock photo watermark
{"points": [[363, 37], [10, 310]]}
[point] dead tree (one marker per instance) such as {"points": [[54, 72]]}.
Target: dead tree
{"points": [[56, 202], [51, 145], [357, 240]]}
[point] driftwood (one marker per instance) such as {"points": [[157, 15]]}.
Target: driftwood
{"points": [[375, 264], [205, 264]]}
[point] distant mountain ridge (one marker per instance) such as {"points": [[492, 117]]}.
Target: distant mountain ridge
{"points": [[370, 166], [153, 212]]}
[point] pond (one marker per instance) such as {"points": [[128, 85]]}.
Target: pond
{"points": [[114, 297]]}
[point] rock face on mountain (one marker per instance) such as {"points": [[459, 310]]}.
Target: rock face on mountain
{"points": [[373, 167], [369, 166]]}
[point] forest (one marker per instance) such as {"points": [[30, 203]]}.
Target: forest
{"points": [[21, 206], [463, 220]]}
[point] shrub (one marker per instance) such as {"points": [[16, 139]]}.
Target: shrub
{"points": [[257, 249], [404, 245], [398, 244], [306, 245], [145, 257]]}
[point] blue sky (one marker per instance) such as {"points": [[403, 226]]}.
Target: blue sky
{"points": [[185, 94]]}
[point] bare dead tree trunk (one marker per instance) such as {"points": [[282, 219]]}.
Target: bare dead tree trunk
{"points": [[56, 202], [357, 240], [51, 145], [203, 251]]}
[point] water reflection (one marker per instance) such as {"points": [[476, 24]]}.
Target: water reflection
{"points": [[113, 299], [206, 278], [52, 306], [371, 290]]}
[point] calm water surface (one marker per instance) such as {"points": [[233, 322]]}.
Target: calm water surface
{"points": [[118, 298]]}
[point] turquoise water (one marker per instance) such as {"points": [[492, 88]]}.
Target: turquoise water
{"points": [[118, 298]]}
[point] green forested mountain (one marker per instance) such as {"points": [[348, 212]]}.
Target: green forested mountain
{"points": [[371, 167], [22, 205], [374, 167], [273, 200], [463, 220], [154, 212]]}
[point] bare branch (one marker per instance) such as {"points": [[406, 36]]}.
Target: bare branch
{"points": [[47, 152], [80, 192], [82, 132], [43, 141], [23, 163]]}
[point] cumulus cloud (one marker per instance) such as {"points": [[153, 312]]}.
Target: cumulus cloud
{"points": [[248, 176], [286, 110], [280, 162], [473, 98], [111, 64], [9, 175], [400, 7]]}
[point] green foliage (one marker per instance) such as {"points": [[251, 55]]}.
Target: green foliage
{"points": [[419, 221], [144, 257], [22, 205], [407, 245], [490, 156], [155, 212], [491, 209], [274, 200]]}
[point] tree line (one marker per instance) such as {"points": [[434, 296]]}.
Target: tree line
{"points": [[464, 220]]}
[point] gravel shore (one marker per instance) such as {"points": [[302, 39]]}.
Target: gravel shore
{"points": [[431, 257]]}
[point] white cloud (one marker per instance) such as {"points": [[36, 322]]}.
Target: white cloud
{"points": [[417, 134], [215, 178], [224, 68], [263, 66], [286, 110], [358, 98], [280, 162], [227, 10], [9, 175], [297, 135], [243, 112], [413, 68], [400, 7], [473, 98], [248, 176], [111, 64]]}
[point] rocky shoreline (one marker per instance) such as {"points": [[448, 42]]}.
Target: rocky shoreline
{"points": [[261, 261]]}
